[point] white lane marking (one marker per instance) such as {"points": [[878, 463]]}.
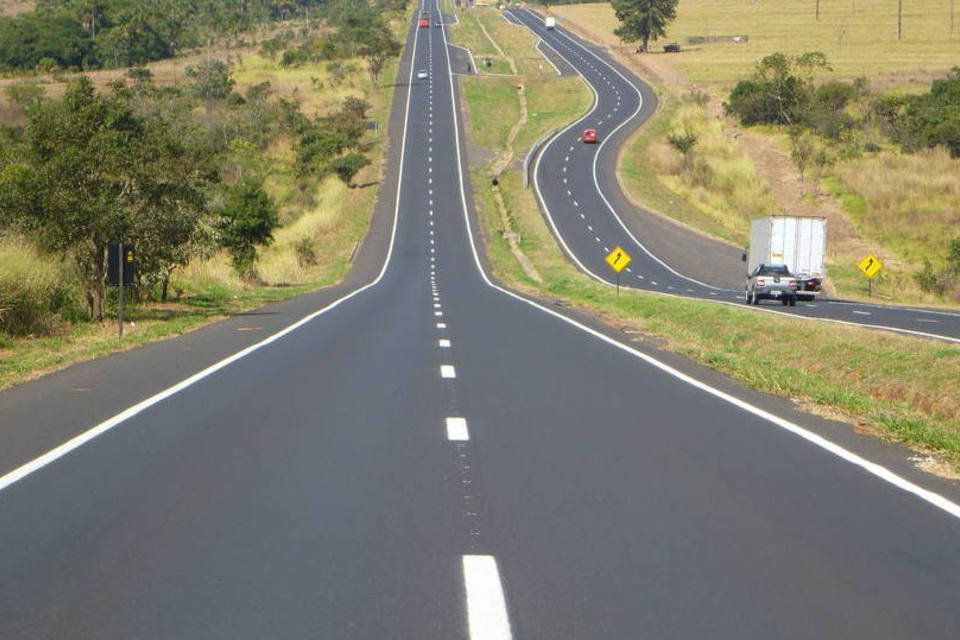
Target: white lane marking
{"points": [[923, 320], [607, 250], [448, 371], [819, 441], [811, 305], [486, 605], [536, 184], [654, 283], [437, 305], [441, 325], [597, 238], [443, 343], [862, 313], [577, 204], [51, 456], [590, 227], [457, 430], [582, 217], [438, 314]]}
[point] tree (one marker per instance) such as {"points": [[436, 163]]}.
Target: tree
{"points": [[780, 91], [684, 142], [377, 47], [247, 221], [802, 150], [643, 20], [90, 172], [210, 80], [346, 167]]}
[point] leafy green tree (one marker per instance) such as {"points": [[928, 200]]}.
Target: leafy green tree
{"points": [[247, 221], [210, 80], [346, 167], [89, 172], [780, 91], [643, 20], [377, 48]]}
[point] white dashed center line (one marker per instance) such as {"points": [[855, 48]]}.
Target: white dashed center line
{"points": [[448, 371], [443, 343], [486, 605], [862, 313], [457, 430]]}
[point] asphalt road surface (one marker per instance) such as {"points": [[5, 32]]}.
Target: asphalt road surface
{"points": [[433, 457], [590, 215]]}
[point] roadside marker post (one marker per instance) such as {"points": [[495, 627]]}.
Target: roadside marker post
{"points": [[870, 265], [121, 272], [618, 259]]}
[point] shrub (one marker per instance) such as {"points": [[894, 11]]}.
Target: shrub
{"points": [[306, 252], [36, 295]]}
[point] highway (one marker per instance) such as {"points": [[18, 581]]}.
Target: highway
{"points": [[421, 454], [589, 214]]}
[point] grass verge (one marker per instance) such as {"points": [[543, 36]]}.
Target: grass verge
{"points": [[899, 387], [333, 217]]}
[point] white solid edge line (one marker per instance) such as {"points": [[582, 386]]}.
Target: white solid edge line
{"points": [[81, 439], [873, 468], [486, 605], [545, 56], [457, 430], [601, 280]]}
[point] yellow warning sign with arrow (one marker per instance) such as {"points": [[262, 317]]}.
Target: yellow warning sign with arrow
{"points": [[618, 259], [870, 265]]}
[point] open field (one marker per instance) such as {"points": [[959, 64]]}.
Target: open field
{"points": [[327, 213], [859, 38], [896, 387]]}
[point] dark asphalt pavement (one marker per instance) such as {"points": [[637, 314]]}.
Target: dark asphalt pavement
{"points": [[579, 191], [314, 488]]}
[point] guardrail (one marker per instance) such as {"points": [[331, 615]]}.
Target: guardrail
{"points": [[532, 153]]}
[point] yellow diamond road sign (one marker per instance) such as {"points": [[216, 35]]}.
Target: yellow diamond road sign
{"points": [[870, 265], [618, 259]]}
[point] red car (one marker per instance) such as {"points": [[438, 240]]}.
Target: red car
{"points": [[589, 135], [424, 22]]}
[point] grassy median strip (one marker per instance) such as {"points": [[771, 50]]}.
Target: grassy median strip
{"points": [[900, 387]]}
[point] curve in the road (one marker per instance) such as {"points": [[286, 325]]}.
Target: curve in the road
{"points": [[570, 187]]}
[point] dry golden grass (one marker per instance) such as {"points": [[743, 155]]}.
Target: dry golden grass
{"points": [[13, 7], [857, 42], [913, 201]]}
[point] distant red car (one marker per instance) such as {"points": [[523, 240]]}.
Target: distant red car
{"points": [[424, 22], [589, 135]]}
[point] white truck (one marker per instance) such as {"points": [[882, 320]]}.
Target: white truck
{"points": [[550, 22], [796, 242]]}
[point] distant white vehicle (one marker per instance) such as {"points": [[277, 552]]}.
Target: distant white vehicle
{"points": [[422, 74], [550, 22]]}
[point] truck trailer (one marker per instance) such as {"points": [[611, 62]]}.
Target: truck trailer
{"points": [[796, 242], [550, 22]]}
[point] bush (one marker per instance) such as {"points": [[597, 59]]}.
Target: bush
{"points": [[306, 252], [36, 295]]}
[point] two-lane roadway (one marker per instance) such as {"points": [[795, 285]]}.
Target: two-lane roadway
{"points": [[434, 457], [581, 197]]}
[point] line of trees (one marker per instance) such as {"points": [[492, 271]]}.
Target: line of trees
{"points": [[783, 90], [93, 34], [178, 171]]}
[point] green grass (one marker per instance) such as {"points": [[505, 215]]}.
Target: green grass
{"points": [[494, 109], [903, 386], [550, 101], [644, 180]]}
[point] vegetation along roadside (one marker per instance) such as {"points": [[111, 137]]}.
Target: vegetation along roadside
{"points": [[242, 176], [867, 134], [897, 387]]}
